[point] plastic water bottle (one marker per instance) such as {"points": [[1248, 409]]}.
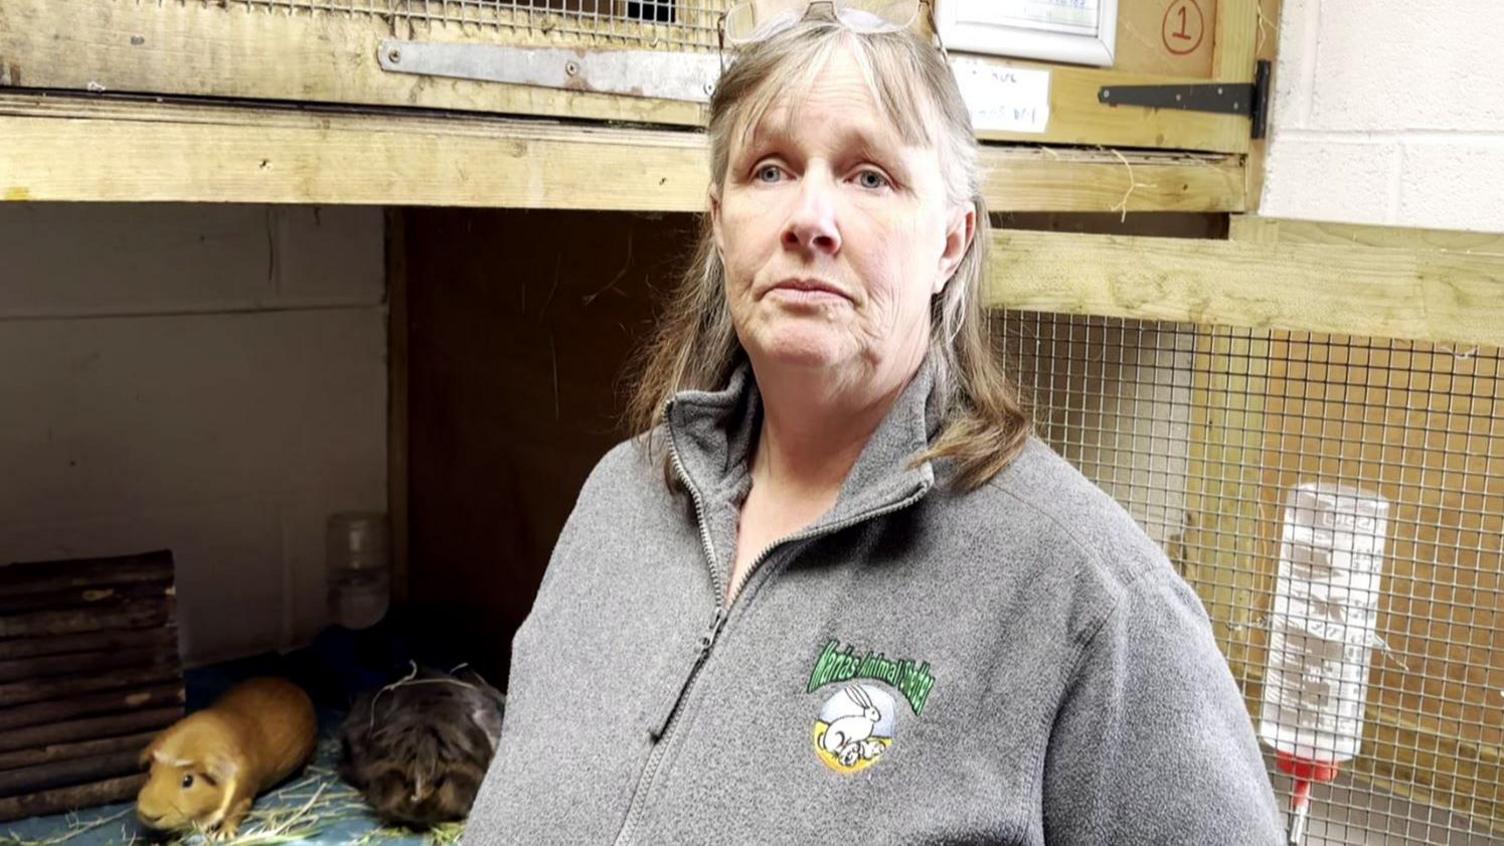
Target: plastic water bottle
{"points": [[358, 560], [1322, 632]]}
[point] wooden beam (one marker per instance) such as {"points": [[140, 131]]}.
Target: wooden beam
{"points": [[1078, 117], [1266, 46], [1437, 295], [1044, 179], [249, 50], [94, 149], [1236, 40], [1264, 230], [233, 49]]}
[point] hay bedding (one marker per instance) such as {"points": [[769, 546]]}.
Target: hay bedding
{"points": [[312, 807]]}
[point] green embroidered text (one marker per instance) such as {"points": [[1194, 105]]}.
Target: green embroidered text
{"points": [[839, 665]]}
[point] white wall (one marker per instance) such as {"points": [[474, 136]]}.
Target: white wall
{"points": [[1389, 112], [210, 379]]}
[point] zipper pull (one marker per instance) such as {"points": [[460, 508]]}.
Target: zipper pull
{"points": [[707, 640], [670, 706]]}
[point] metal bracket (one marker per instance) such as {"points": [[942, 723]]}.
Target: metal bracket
{"points": [[1221, 98], [634, 73]]}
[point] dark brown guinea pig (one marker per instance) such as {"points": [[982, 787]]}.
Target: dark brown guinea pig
{"points": [[418, 749]]}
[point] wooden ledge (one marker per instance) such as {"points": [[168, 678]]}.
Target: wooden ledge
{"points": [[1348, 281], [79, 148]]}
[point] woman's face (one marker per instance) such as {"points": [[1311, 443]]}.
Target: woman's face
{"points": [[835, 234]]}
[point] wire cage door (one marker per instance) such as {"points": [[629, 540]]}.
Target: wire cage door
{"points": [[648, 24], [1338, 504]]}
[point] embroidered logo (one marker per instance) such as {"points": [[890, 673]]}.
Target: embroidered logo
{"points": [[855, 726]]}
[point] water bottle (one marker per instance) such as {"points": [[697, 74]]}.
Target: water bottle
{"points": [[1322, 633], [358, 553]]}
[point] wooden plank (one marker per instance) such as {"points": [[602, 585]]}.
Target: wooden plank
{"points": [[133, 743], [44, 690], [71, 798], [1410, 758], [137, 614], [231, 50], [85, 662], [1166, 37], [92, 728], [84, 149], [165, 637], [14, 601], [1078, 117], [93, 573], [93, 704], [53, 774], [1263, 230], [1047, 180], [1266, 46], [1237, 30], [238, 155], [1436, 295], [1222, 553]]}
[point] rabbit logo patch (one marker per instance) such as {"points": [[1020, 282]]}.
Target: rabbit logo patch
{"points": [[855, 727]]}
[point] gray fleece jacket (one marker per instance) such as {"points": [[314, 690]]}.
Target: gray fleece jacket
{"points": [[1014, 665]]}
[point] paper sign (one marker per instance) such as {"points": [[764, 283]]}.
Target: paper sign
{"points": [[1003, 99], [1058, 15]]}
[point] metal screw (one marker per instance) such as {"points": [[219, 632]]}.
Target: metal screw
{"points": [[572, 68], [394, 55], [1106, 93], [709, 88]]}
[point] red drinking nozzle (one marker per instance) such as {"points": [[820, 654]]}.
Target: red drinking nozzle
{"points": [[1304, 772]]}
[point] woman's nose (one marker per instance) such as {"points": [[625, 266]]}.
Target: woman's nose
{"points": [[812, 226]]}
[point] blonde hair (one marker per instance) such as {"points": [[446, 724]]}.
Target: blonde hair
{"points": [[695, 348]]}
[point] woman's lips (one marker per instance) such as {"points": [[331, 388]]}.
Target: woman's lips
{"points": [[807, 291]]}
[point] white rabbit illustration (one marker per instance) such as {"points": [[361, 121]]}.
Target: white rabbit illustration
{"points": [[847, 738]]}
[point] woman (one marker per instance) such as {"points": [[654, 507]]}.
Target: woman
{"points": [[864, 606]]}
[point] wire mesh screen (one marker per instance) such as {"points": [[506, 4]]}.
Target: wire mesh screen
{"points": [[1338, 504], [669, 24]]}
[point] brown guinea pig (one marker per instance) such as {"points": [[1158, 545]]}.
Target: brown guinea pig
{"points": [[207, 768]]}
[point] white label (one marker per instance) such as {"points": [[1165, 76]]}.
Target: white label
{"points": [[1322, 623], [1003, 99], [1059, 15]]}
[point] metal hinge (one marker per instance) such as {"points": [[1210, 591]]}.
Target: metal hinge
{"points": [[1216, 97], [635, 73]]}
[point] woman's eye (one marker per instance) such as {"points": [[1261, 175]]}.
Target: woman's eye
{"points": [[872, 179], [769, 173], [187, 781]]}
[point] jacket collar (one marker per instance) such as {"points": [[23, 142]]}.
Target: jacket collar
{"points": [[713, 433]]}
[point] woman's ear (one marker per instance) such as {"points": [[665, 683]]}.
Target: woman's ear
{"points": [[715, 221], [959, 231]]}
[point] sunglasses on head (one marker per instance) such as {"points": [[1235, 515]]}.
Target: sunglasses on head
{"points": [[758, 20]]}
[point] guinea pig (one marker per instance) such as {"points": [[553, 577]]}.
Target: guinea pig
{"points": [[207, 768], [418, 749]]}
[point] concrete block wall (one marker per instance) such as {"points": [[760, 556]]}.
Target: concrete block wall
{"points": [[1389, 112], [207, 378]]}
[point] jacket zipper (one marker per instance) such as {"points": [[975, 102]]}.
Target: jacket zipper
{"points": [[707, 642]]}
